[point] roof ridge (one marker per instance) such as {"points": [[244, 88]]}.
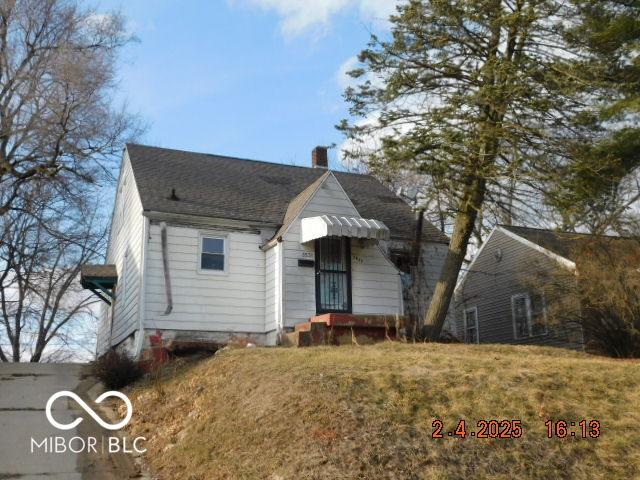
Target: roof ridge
{"points": [[547, 230], [226, 187], [133, 144]]}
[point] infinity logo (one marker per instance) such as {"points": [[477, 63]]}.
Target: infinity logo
{"points": [[89, 410]]}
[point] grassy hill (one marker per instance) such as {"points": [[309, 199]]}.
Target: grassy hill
{"points": [[367, 413]]}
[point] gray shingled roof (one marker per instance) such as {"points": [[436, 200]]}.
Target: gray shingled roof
{"points": [[232, 188], [565, 244]]}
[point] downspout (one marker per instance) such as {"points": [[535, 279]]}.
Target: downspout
{"points": [[415, 257], [401, 289], [112, 312], [416, 281], [281, 289], [165, 266]]}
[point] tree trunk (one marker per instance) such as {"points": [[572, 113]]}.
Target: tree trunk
{"points": [[470, 203], [37, 352], [16, 349]]}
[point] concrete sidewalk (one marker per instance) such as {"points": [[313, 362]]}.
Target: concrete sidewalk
{"points": [[24, 391]]}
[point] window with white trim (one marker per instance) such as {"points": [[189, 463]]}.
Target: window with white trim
{"points": [[529, 315], [212, 253], [471, 334]]}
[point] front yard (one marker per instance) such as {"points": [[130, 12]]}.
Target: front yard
{"points": [[368, 413]]}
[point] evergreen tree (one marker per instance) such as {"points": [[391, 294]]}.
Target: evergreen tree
{"points": [[479, 95], [601, 181]]}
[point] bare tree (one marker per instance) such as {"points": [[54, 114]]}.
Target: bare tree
{"points": [[602, 295], [57, 79], [43, 243]]}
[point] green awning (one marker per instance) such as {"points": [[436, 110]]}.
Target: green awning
{"points": [[101, 280]]}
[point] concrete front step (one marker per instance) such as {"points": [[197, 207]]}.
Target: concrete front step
{"points": [[361, 320], [297, 339], [303, 327], [343, 329]]}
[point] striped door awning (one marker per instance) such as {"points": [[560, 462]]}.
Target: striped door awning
{"points": [[322, 226]]}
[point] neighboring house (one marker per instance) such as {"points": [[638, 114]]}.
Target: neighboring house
{"points": [[500, 300], [206, 248]]}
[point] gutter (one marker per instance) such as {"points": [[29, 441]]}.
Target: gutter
{"points": [[202, 221]]}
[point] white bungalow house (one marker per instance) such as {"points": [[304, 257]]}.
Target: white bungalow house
{"points": [[204, 248]]}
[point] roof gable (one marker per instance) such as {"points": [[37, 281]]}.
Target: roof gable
{"points": [[514, 237], [561, 259], [253, 191], [296, 206], [303, 205], [565, 248], [331, 198]]}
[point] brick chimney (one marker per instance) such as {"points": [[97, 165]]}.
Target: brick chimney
{"points": [[319, 157]]}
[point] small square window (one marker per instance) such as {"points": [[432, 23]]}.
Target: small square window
{"points": [[212, 253]]}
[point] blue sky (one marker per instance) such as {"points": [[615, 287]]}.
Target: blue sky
{"points": [[257, 79]]}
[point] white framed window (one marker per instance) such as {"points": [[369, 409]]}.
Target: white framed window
{"points": [[529, 315], [213, 254], [471, 332]]}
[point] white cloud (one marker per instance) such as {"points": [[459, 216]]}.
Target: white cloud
{"points": [[300, 16], [342, 77], [378, 9], [372, 141]]}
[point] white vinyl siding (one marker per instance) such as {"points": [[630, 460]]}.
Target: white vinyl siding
{"points": [[233, 302], [125, 251], [375, 281]]}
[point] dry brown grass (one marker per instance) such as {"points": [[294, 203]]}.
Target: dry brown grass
{"points": [[366, 413]]}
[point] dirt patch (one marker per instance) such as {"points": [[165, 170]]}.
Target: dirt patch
{"points": [[101, 465]]}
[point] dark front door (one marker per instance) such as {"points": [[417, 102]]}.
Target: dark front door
{"points": [[333, 275]]}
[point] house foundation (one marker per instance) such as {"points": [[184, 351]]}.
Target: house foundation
{"points": [[159, 345]]}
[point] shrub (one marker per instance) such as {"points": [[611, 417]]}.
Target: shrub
{"points": [[602, 295], [609, 287], [117, 369]]}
